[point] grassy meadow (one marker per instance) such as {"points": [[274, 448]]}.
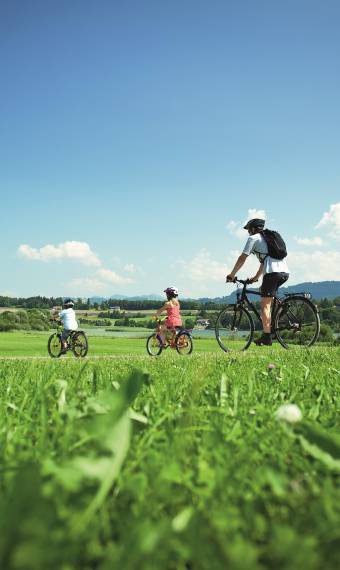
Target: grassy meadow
{"points": [[170, 463], [32, 344]]}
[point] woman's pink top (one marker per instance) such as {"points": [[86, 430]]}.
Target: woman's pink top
{"points": [[173, 317]]}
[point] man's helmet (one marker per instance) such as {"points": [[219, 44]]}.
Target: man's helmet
{"points": [[171, 291], [69, 302], [255, 223]]}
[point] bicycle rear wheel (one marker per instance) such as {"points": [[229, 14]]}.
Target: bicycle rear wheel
{"points": [[54, 345], [297, 323], [184, 343], [154, 345], [234, 328], [79, 344]]}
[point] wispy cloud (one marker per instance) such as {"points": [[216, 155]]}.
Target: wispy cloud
{"points": [[314, 266], [79, 252], [112, 277], [310, 242], [331, 220], [86, 285], [130, 268], [204, 268], [76, 250], [236, 228]]}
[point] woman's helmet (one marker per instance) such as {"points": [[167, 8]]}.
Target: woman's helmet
{"points": [[255, 223], [69, 302], [173, 291]]}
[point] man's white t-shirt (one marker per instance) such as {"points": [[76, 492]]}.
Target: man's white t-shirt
{"points": [[68, 318], [257, 245]]}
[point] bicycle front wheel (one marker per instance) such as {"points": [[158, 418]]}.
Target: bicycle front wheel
{"points": [[54, 346], [184, 343], [79, 344], [297, 323], [234, 328], [154, 345]]}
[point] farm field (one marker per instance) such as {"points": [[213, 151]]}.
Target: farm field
{"points": [[171, 463]]}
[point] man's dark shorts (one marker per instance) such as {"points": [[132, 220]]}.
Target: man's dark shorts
{"points": [[271, 282]]}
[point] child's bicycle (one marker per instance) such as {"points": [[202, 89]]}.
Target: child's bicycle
{"points": [[76, 341], [179, 339]]}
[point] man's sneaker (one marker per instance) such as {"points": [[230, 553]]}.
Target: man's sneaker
{"points": [[264, 340]]}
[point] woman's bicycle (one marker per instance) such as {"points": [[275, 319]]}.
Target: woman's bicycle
{"points": [[76, 342], [179, 339], [295, 320]]}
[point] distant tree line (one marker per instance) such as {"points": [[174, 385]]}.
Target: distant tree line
{"points": [[39, 302]]}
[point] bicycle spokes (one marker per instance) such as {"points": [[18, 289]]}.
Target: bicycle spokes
{"points": [[79, 344], [154, 345], [184, 343], [297, 323], [234, 328], [54, 346]]}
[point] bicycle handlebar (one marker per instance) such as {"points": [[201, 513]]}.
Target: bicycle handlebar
{"points": [[242, 281]]}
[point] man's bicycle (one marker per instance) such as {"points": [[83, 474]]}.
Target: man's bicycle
{"points": [[76, 342], [295, 320], [179, 339]]}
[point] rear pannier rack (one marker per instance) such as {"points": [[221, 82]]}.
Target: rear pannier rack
{"points": [[303, 294]]}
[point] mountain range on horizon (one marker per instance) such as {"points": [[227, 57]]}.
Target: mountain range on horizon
{"points": [[318, 290]]}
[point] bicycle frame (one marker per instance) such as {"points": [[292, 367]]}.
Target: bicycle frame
{"points": [[242, 299], [172, 340]]}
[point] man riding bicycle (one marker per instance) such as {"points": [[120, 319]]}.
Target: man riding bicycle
{"points": [[275, 273]]}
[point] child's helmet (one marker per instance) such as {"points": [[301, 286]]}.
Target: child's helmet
{"points": [[171, 291], [69, 302]]}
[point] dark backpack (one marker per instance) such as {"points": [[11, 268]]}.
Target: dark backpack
{"points": [[276, 245]]}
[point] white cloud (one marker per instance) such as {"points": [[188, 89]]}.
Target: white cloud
{"points": [[203, 268], [331, 220], [309, 242], [76, 250], [236, 228], [130, 268], [254, 213], [99, 283], [112, 277], [86, 285], [314, 266], [205, 276]]}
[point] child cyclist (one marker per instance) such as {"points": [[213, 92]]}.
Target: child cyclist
{"points": [[172, 309], [68, 319]]}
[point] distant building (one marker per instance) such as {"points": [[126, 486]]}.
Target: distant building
{"points": [[202, 323], [115, 308]]}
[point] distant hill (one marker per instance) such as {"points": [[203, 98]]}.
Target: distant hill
{"points": [[319, 290]]}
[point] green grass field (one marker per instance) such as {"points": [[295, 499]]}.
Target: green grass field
{"points": [[169, 463], [35, 344]]}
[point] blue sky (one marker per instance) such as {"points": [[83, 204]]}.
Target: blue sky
{"points": [[135, 138]]}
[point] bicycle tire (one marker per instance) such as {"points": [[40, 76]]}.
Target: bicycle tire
{"points": [[58, 346], [287, 331], [79, 344], [229, 324], [184, 344], [156, 348]]}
